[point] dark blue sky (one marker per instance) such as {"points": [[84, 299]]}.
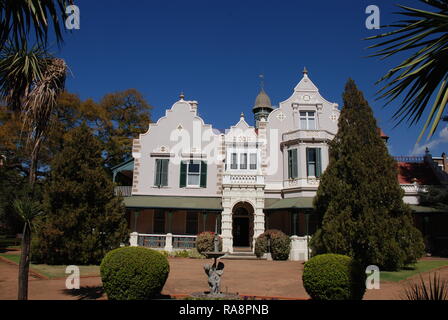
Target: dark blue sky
{"points": [[215, 50]]}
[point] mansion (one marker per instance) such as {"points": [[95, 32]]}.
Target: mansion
{"points": [[187, 177]]}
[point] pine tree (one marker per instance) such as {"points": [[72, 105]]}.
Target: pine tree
{"points": [[359, 200], [83, 218]]}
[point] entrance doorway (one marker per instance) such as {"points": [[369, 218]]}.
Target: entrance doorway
{"points": [[242, 225]]}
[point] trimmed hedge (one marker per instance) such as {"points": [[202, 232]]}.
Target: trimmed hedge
{"points": [[205, 242], [333, 277], [134, 273], [280, 244]]}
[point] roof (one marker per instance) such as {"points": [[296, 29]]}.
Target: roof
{"points": [[289, 203], [126, 165], [408, 172], [262, 100], [423, 209], [162, 202], [382, 134]]}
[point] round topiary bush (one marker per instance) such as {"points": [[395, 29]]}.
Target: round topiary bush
{"points": [[205, 242], [134, 273], [280, 244], [333, 277]]}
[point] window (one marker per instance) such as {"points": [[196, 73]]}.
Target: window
{"points": [[307, 120], [253, 161], [161, 173], [243, 161], [292, 164], [234, 162], [193, 174], [159, 221], [192, 223], [313, 161]]}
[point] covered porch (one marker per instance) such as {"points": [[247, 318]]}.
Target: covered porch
{"points": [[294, 217], [171, 223]]}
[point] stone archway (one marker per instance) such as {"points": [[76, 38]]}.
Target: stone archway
{"points": [[243, 225]]}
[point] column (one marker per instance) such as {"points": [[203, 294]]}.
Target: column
{"points": [[170, 221], [204, 221], [294, 223]]}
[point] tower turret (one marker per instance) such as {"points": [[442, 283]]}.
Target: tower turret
{"points": [[262, 107]]}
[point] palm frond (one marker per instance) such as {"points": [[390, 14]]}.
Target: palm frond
{"points": [[423, 75], [27, 209], [20, 67], [19, 17], [42, 99]]}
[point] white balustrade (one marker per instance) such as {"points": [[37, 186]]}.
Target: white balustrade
{"points": [[243, 179], [168, 242]]}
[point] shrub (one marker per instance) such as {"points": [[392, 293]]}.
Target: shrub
{"points": [[133, 273], [205, 242], [333, 277], [280, 244]]}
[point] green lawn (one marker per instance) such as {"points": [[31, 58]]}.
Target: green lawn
{"points": [[421, 266], [55, 271]]}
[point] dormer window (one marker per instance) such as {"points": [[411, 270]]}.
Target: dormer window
{"points": [[308, 120]]}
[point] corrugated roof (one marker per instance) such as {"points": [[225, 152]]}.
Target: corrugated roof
{"points": [[165, 202], [289, 203]]}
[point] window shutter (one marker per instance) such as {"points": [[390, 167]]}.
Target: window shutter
{"points": [[164, 172], [203, 174], [157, 173], [294, 164], [318, 162], [183, 174], [308, 173]]}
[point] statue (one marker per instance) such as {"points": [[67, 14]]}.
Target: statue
{"points": [[214, 273]]}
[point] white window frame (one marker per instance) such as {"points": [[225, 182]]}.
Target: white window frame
{"points": [[307, 119], [194, 173]]}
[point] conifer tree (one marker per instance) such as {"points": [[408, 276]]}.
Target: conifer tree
{"points": [[359, 200], [83, 218]]}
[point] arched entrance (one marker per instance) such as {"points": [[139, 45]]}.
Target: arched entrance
{"points": [[242, 225]]}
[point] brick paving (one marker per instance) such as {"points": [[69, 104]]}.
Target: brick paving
{"points": [[280, 279]]}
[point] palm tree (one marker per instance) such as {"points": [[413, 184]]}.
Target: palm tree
{"points": [[423, 75], [30, 81], [28, 210], [18, 17]]}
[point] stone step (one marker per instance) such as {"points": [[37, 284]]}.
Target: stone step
{"points": [[241, 256]]}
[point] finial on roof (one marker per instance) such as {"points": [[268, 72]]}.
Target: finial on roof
{"points": [[261, 81], [305, 71], [182, 96], [242, 115]]}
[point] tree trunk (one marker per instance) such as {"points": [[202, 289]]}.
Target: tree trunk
{"points": [[24, 263]]}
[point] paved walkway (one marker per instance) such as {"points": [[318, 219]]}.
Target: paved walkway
{"points": [[252, 278]]}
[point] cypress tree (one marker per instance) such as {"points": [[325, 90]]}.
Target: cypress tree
{"points": [[359, 200], [83, 218]]}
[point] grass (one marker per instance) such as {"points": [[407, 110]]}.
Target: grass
{"points": [[419, 267], [53, 272]]}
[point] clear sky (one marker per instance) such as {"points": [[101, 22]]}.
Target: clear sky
{"points": [[214, 51]]}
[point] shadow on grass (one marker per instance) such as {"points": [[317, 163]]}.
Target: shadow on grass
{"points": [[86, 293], [97, 292]]}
